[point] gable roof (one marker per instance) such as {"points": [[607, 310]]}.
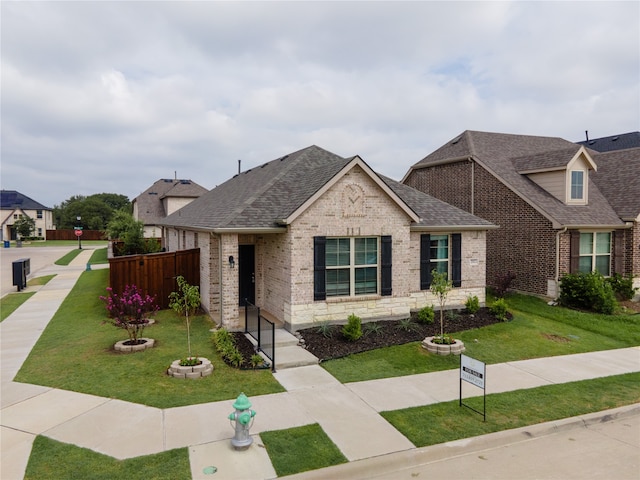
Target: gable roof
{"points": [[505, 156], [618, 168], [149, 203], [11, 200], [270, 195], [614, 142]]}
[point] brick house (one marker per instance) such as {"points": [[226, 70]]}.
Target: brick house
{"points": [[161, 199], [14, 205], [314, 237], [542, 192]]}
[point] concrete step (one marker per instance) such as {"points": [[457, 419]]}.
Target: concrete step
{"points": [[288, 353]]}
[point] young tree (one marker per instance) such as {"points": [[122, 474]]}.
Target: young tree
{"points": [[185, 301], [24, 226], [440, 287]]}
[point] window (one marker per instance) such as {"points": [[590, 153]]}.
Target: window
{"points": [[351, 266], [439, 253], [38, 213], [442, 253], [577, 185], [595, 253]]}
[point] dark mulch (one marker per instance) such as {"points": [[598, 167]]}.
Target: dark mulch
{"points": [[245, 347], [392, 332]]}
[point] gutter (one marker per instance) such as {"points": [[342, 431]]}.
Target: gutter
{"points": [[450, 228]]}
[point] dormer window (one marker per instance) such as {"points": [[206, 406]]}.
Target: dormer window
{"points": [[577, 185]]}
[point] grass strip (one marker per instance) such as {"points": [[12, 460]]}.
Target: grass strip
{"points": [[301, 449], [10, 303], [444, 422], [68, 258], [53, 460], [99, 256], [75, 352]]}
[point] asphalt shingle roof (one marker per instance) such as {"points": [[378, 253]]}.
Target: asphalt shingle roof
{"points": [[614, 142], [264, 195], [150, 206], [618, 178], [11, 199], [504, 155]]}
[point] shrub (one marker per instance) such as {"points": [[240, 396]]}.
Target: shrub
{"points": [[452, 315], [372, 328], [472, 304], [352, 331], [622, 286], [499, 309], [130, 310], [503, 283], [325, 330], [406, 325], [426, 315], [589, 291], [226, 346]]}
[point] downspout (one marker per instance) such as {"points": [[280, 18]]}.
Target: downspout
{"points": [[557, 279], [220, 279]]}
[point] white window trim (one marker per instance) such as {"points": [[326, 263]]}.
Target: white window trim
{"points": [[440, 260], [585, 183], [594, 249], [352, 268]]}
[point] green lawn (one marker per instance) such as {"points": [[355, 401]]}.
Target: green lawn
{"points": [[99, 256], [75, 353], [444, 422], [537, 330], [52, 460], [69, 257]]}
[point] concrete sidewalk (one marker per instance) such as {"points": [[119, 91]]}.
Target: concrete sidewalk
{"points": [[348, 413]]}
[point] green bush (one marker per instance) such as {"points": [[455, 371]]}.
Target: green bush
{"points": [[352, 331], [226, 346], [426, 315], [622, 286], [587, 291], [472, 304], [499, 309]]}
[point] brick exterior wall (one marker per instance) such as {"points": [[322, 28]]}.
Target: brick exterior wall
{"points": [[524, 244]]}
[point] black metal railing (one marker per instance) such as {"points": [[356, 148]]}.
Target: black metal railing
{"points": [[262, 330]]}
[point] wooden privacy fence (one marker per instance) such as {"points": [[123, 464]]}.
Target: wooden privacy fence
{"points": [[69, 234], [155, 273]]}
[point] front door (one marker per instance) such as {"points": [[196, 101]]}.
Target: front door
{"points": [[247, 273]]}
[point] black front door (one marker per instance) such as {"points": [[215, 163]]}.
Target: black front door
{"points": [[246, 273]]}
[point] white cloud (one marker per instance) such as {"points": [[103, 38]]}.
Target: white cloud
{"points": [[110, 96]]}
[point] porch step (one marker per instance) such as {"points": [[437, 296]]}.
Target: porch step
{"points": [[288, 353]]}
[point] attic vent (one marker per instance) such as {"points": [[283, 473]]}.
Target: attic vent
{"points": [[167, 180], [285, 157], [614, 139], [592, 142], [185, 182], [153, 193], [456, 140], [247, 171]]}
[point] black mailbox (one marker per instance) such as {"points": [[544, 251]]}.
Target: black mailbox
{"points": [[21, 268]]}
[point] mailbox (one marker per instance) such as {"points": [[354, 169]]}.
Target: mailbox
{"points": [[21, 268]]}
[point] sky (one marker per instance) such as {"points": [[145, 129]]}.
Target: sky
{"points": [[108, 97]]}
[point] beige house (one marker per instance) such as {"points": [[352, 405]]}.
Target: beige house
{"points": [[15, 205], [161, 199], [313, 237]]}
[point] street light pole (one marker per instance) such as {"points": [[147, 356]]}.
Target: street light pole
{"points": [[79, 236]]}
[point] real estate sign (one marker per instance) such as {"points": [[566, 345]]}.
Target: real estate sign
{"points": [[472, 371]]}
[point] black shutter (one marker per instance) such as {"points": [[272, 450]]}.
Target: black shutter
{"points": [[425, 261], [618, 252], [574, 251], [385, 262], [456, 259], [319, 267]]}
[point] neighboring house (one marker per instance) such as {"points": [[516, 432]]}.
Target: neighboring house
{"points": [[313, 237], [540, 191], [161, 199], [618, 178], [15, 205], [614, 142]]}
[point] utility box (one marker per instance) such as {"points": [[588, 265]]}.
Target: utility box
{"points": [[21, 268]]}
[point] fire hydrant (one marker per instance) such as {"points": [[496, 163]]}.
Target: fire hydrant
{"points": [[243, 417]]}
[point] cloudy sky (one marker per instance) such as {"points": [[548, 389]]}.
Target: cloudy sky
{"points": [[111, 96]]}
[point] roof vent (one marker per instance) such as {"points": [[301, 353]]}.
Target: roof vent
{"points": [[285, 157], [592, 142], [614, 139], [456, 140]]}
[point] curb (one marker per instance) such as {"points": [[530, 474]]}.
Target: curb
{"points": [[396, 462]]}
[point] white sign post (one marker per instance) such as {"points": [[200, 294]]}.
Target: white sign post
{"points": [[474, 372]]}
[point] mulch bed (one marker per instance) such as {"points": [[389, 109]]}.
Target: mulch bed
{"points": [[392, 332]]}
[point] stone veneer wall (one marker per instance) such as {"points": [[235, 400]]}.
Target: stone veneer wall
{"points": [[378, 215]]}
